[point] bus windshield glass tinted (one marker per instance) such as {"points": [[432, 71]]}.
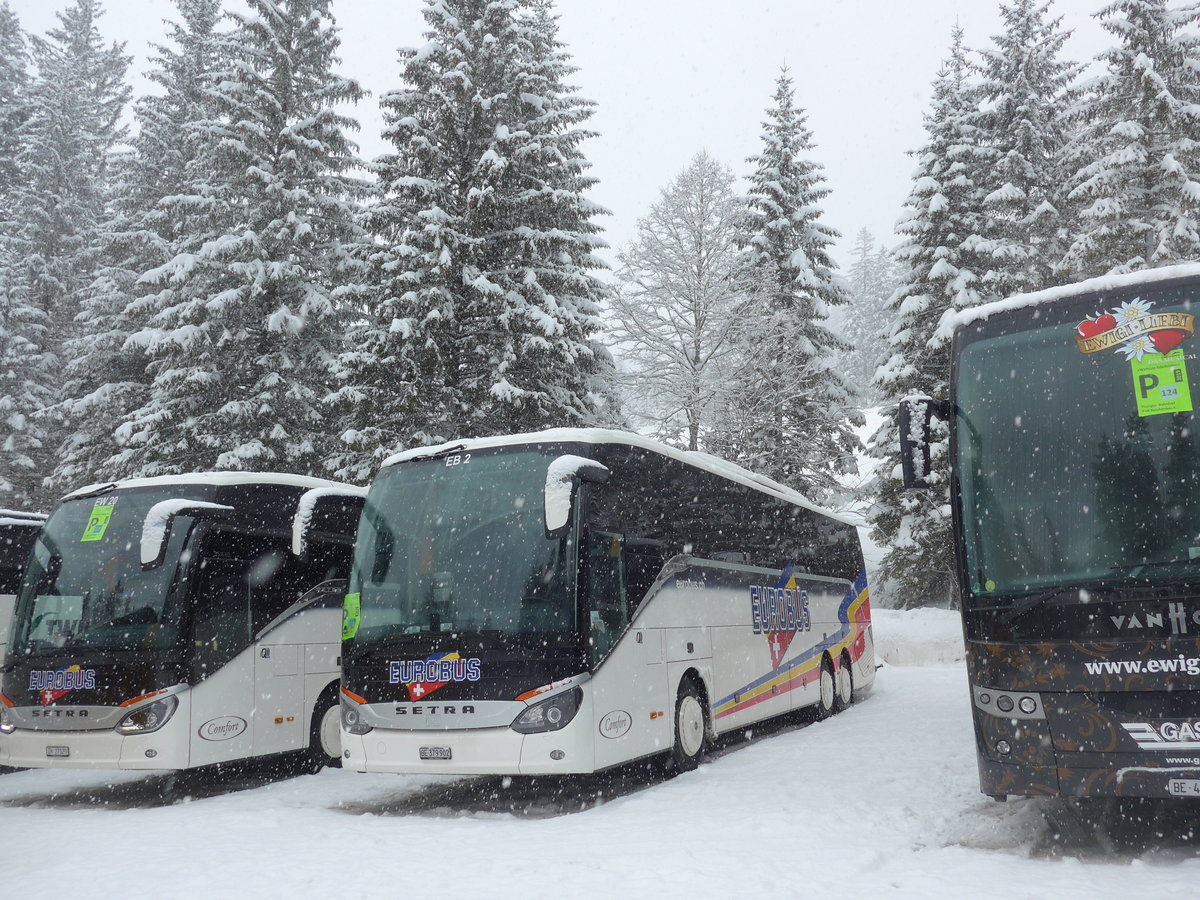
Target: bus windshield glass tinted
{"points": [[458, 543], [85, 587], [1078, 451]]}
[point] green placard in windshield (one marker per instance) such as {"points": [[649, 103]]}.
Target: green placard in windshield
{"points": [[351, 613], [1160, 384], [98, 521]]}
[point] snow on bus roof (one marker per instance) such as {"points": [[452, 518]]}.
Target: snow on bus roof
{"points": [[10, 521], [705, 461], [218, 479], [23, 514], [957, 318]]}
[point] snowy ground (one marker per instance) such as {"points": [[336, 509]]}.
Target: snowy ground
{"points": [[880, 801]]}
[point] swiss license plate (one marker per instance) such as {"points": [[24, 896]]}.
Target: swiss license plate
{"points": [[1184, 787], [60, 752], [435, 753]]}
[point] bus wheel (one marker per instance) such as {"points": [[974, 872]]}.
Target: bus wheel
{"points": [[691, 728], [828, 693], [325, 740], [843, 685]]}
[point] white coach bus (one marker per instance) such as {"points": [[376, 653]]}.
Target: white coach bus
{"points": [[181, 621], [18, 530], [572, 600]]}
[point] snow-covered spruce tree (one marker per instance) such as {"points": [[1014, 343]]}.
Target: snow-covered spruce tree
{"points": [[863, 323], [247, 320], [1023, 89], [790, 410], [59, 206], [25, 373], [1136, 162], [160, 208], [482, 305], [14, 107], [676, 305], [939, 226]]}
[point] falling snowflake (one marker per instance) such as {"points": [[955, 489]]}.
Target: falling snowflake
{"points": [[1133, 310], [1137, 348]]}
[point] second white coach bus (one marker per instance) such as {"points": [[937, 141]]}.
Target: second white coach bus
{"points": [[572, 600], [179, 622]]}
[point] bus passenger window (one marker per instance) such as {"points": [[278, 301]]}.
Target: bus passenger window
{"points": [[606, 592], [221, 618]]}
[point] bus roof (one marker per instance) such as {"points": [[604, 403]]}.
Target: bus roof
{"points": [[958, 318], [705, 461], [211, 478]]}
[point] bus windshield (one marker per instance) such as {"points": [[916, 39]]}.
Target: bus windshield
{"points": [[459, 544], [85, 587], [1079, 463]]}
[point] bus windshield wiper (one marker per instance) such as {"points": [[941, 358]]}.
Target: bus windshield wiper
{"points": [[1017, 609], [1136, 567]]}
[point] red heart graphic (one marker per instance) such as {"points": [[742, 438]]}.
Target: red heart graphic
{"points": [[1167, 340], [1107, 322], [1088, 328]]}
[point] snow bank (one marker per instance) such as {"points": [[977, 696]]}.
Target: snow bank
{"points": [[917, 637]]}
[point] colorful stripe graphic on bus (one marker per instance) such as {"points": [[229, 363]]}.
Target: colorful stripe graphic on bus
{"points": [[854, 615], [424, 676]]}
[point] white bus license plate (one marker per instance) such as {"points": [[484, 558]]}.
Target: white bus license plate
{"points": [[435, 753], [60, 752], [1184, 787]]}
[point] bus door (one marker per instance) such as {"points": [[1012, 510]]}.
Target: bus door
{"points": [[631, 678], [222, 666]]}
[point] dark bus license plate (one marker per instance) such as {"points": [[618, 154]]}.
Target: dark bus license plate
{"points": [[61, 752], [435, 753]]}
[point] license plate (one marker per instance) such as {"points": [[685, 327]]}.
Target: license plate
{"points": [[435, 753], [60, 752], [1184, 787]]}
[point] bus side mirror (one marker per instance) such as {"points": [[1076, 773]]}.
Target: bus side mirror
{"points": [[915, 423], [561, 477], [156, 529], [324, 507]]}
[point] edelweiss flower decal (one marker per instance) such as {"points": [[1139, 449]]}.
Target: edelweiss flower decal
{"points": [[1133, 310], [1137, 348]]}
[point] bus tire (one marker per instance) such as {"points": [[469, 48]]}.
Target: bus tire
{"points": [[827, 693], [843, 685], [325, 734], [691, 728]]}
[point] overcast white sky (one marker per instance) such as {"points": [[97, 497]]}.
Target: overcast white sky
{"points": [[672, 77]]}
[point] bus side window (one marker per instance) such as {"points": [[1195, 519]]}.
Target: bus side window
{"points": [[221, 617], [606, 591], [643, 562]]}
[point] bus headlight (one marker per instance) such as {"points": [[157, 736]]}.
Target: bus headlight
{"points": [[150, 717], [352, 720], [550, 715], [7, 725]]}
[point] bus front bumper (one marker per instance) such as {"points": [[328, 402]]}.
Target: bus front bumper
{"points": [[30, 748], [483, 751]]}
